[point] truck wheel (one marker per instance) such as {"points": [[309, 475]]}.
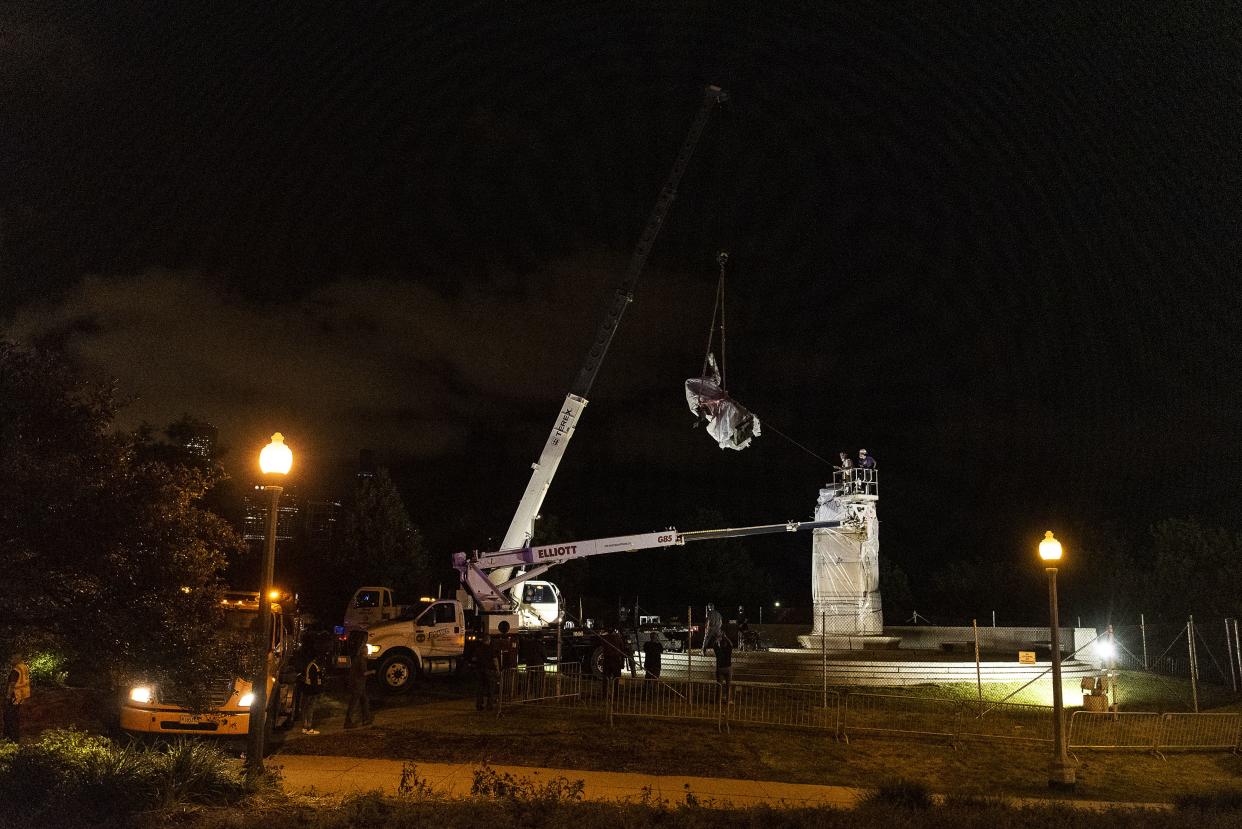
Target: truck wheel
{"points": [[273, 731], [397, 673], [595, 662], [284, 712]]}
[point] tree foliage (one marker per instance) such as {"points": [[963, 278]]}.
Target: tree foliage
{"points": [[379, 543], [107, 552], [896, 598], [1187, 568], [1111, 574], [720, 572]]}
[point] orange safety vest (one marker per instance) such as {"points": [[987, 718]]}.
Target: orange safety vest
{"points": [[21, 688]]}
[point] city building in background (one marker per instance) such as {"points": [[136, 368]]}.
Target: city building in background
{"points": [[196, 437], [288, 516], [315, 522], [322, 523]]}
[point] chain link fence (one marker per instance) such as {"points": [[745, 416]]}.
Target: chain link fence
{"points": [[844, 714], [1205, 649]]}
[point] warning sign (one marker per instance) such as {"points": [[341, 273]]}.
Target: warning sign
{"points": [[1026, 657]]}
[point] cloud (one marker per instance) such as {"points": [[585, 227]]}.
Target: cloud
{"points": [[382, 363]]}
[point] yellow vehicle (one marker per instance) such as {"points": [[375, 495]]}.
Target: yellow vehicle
{"points": [[150, 709]]}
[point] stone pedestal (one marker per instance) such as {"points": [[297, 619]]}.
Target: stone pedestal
{"points": [[845, 574]]}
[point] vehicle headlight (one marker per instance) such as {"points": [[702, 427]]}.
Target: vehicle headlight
{"points": [[246, 700], [142, 693], [372, 649]]}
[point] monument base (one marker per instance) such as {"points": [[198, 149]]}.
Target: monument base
{"points": [[848, 642]]}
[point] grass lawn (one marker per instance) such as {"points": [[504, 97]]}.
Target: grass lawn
{"points": [[1136, 691], [437, 728]]}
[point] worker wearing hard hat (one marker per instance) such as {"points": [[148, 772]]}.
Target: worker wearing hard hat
{"points": [[866, 473]]}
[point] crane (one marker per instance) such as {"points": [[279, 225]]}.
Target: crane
{"points": [[521, 528], [477, 570]]}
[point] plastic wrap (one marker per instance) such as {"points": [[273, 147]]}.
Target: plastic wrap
{"points": [[845, 570], [729, 423]]}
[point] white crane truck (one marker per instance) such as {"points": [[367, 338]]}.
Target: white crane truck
{"points": [[498, 586]]}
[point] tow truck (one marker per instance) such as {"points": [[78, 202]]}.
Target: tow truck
{"points": [[152, 709]]}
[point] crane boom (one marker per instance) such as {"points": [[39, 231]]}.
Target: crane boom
{"points": [[477, 570], [543, 471], [638, 261]]}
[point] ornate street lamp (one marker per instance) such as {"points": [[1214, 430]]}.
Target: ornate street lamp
{"points": [[1061, 773], [274, 461]]}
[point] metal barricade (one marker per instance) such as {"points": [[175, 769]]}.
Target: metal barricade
{"points": [[786, 706], [1116, 731], [564, 685], [895, 714], [671, 699], [1007, 721], [851, 713], [1204, 732]]}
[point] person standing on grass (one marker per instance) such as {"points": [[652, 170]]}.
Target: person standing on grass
{"points": [[311, 683], [506, 647], [713, 628], [357, 681], [653, 654], [487, 663], [613, 659], [17, 691]]}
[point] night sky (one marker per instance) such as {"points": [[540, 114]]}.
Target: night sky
{"points": [[997, 247]]}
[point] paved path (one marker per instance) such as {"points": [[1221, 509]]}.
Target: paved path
{"points": [[344, 775], [326, 774], [335, 775]]}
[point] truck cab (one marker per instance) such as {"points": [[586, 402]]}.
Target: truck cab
{"points": [[426, 638], [539, 605], [154, 709], [371, 605]]}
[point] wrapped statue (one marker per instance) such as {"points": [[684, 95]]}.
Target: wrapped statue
{"points": [[727, 421]]}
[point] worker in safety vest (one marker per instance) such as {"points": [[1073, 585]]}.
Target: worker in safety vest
{"points": [[17, 691]]}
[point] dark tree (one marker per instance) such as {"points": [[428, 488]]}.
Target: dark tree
{"points": [[721, 572], [107, 553], [1190, 569], [380, 544], [896, 599]]}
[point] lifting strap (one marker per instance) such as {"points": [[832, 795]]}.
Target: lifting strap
{"points": [[718, 320], [717, 312]]}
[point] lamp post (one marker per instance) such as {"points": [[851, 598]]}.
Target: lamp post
{"points": [[1061, 772], [275, 460]]}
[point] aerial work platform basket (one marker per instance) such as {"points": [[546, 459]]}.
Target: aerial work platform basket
{"points": [[857, 483]]}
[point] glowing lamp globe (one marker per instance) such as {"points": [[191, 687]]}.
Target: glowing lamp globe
{"points": [[1050, 548], [275, 459]]}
